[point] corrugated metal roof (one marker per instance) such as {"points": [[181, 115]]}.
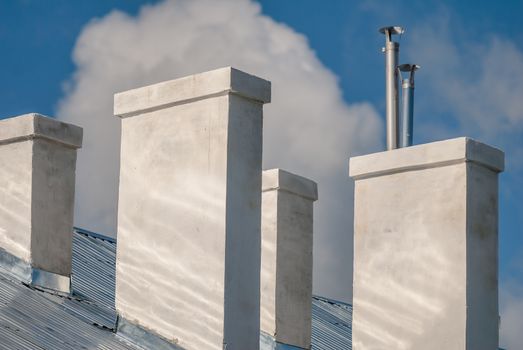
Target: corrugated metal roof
{"points": [[33, 319], [94, 267], [331, 324]]}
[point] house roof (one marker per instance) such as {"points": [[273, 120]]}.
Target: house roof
{"points": [[35, 319]]}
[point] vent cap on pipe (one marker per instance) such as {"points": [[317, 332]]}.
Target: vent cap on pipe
{"points": [[411, 68], [391, 30]]}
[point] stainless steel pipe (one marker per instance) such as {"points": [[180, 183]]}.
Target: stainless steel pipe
{"points": [[407, 115], [391, 51]]}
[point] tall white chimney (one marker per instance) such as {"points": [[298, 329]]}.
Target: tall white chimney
{"points": [[426, 247], [188, 258], [286, 278], [37, 181]]}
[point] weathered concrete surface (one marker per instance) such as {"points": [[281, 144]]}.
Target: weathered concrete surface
{"points": [[286, 277], [188, 259], [166, 94], [425, 247], [37, 181]]}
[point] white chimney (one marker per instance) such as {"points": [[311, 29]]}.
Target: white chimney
{"points": [[188, 258], [37, 181], [426, 247], [286, 277]]}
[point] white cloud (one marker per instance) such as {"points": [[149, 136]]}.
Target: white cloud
{"points": [[309, 129], [477, 82]]}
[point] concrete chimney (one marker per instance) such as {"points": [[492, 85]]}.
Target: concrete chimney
{"points": [[286, 277], [37, 181], [189, 212], [426, 247]]}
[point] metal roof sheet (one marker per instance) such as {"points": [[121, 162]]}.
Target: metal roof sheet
{"points": [[34, 319], [331, 324], [94, 268]]}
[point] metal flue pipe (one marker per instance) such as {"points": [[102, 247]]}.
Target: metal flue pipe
{"points": [[391, 51], [407, 115]]}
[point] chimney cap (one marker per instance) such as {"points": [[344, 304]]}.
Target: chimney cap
{"points": [[429, 155], [217, 82], [33, 125], [278, 179]]}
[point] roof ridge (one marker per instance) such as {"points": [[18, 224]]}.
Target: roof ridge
{"points": [[330, 300], [94, 234]]}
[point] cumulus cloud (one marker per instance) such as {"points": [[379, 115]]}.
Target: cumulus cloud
{"points": [[477, 82], [308, 128]]}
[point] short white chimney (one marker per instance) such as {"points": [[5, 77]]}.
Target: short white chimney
{"points": [[426, 247], [37, 181], [189, 212], [286, 277]]}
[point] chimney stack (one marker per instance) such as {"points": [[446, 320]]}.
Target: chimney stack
{"points": [[286, 272], [189, 212], [426, 247], [37, 182]]}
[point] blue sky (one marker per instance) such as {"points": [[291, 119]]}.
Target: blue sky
{"points": [[470, 83], [38, 38]]}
